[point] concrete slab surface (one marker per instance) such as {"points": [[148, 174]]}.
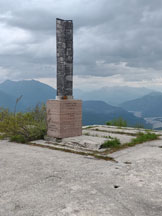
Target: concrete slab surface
{"points": [[126, 130], [92, 139], [122, 137], [36, 181], [77, 142], [89, 142]]}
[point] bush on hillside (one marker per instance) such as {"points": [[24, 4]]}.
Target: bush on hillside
{"points": [[24, 127], [120, 122]]}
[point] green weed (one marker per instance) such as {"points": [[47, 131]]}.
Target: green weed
{"points": [[114, 143], [86, 134], [18, 139], [143, 137], [120, 122]]}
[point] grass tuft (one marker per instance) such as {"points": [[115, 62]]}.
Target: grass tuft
{"points": [[143, 137], [18, 139], [114, 143], [86, 134]]}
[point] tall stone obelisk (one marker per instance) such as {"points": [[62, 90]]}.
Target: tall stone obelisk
{"points": [[64, 43], [64, 115]]}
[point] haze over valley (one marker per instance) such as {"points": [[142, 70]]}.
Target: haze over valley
{"points": [[99, 106]]}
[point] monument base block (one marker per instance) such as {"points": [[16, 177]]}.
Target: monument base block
{"points": [[64, 118]]}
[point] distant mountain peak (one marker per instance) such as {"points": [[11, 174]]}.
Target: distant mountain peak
{"points": [[113, 95], [33, 91], [149, 105]]}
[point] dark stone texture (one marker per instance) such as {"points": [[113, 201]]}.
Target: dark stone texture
{"points": [[64, 44]]}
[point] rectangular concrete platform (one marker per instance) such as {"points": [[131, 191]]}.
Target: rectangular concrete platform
{"points": [[64, 118]]}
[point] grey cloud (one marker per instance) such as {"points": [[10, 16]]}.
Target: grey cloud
{"points": [[33, 20], [107, 33], [21, 67]]}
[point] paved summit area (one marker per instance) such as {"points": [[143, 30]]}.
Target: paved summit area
{"points": [[36, 181], [94, 136]]}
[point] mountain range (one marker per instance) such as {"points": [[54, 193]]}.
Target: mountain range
{"points": [[34, 92], [99, 112], [149, 105], [113, 95]]}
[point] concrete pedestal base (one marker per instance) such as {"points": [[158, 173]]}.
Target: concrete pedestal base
{"points": [[64, 118]]}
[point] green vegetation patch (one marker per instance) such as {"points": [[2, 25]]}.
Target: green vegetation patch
{"points": [[23, 127], [143, 137], [18, 139], [114, 143], [2, 136], [87, 134], [120, 122]]}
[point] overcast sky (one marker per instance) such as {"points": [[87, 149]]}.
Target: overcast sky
{"points": [[116, 42]]}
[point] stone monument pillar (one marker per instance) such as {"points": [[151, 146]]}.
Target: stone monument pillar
{"points": [[64, 41], [64, 115]]}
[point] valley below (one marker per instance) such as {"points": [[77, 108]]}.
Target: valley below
{"points": [[138, 106]]}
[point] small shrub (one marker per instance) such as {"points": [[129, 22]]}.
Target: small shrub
{"points": [[24, 127], [2, 136], [86, 134], [114, 143], [144, 137], [110, 137], [18, 139], [120, 122]]}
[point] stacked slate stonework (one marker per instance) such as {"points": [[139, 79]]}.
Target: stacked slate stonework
{"points": [[64, 41]]}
